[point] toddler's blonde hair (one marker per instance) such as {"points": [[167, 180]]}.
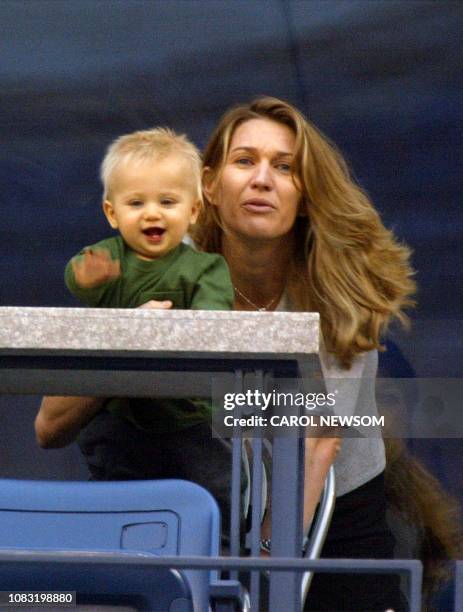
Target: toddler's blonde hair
{"points": [[144, 145]]}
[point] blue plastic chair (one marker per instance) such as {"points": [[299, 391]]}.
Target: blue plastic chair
{"points": [[162, 518]]}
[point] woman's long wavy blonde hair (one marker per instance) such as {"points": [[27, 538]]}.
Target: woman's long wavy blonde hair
{"points": [[347, 265], [419, 499]]}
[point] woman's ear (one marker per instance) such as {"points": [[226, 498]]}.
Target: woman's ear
{"points": [[108, 210], [208, 184], [302, 208]]}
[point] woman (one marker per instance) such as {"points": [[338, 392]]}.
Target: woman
{"points": [[298, 234]]}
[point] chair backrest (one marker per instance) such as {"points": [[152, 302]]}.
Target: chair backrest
{"points": [[164, 517]]}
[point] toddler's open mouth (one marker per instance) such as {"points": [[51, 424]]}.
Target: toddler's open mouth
{"points": [[154, 234]]}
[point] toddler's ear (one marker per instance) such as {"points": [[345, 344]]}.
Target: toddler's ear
{"points": [[108, 210], [208, 184], [195, 210]]}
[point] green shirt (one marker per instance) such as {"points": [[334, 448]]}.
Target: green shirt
{"points": [[191, 280]]}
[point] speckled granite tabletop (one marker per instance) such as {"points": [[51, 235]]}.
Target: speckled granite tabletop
{"points": [[226, 334]]}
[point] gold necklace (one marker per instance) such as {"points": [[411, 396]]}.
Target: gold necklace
{"points": [[259, 308]]}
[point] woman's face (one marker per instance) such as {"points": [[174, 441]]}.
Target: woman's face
{"points": [[255, 193]]}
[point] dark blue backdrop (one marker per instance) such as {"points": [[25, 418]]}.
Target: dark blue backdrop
{"points": [[382, 79]]}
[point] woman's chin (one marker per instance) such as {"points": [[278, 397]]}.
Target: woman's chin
{"points": [[264, 234]]}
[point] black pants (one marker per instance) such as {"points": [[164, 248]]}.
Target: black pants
{"points": [[117, 450], [358, 530]]}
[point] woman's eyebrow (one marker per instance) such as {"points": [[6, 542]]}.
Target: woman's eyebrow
{"points": [[254, 150], [283, 154]]}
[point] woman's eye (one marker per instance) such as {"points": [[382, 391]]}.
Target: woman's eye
{"points": [[243, 161], [284, 167]]}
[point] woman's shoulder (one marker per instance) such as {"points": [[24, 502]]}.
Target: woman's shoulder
{"points": [[364, 365]]}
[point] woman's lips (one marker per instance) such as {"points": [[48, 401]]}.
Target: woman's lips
{"points": [[258, 205]]}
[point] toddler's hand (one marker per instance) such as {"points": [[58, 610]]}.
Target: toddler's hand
{"points": [[94, 268], [156, 305]]}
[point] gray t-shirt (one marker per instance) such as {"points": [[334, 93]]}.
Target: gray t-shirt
{"points": [[360, 459]]}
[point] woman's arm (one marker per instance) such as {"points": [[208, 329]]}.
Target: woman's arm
{"points": [[320, 454], [60, 419]]}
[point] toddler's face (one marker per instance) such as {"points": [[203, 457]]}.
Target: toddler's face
{"points": [[152, 203]]}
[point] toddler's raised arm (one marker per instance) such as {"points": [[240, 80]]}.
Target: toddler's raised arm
{"points": [[94, 268]]}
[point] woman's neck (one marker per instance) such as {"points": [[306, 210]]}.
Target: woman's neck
{"points": [[259, 270]]}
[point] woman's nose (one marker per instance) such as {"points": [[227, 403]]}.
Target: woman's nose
{"points": [[262, 177]]}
